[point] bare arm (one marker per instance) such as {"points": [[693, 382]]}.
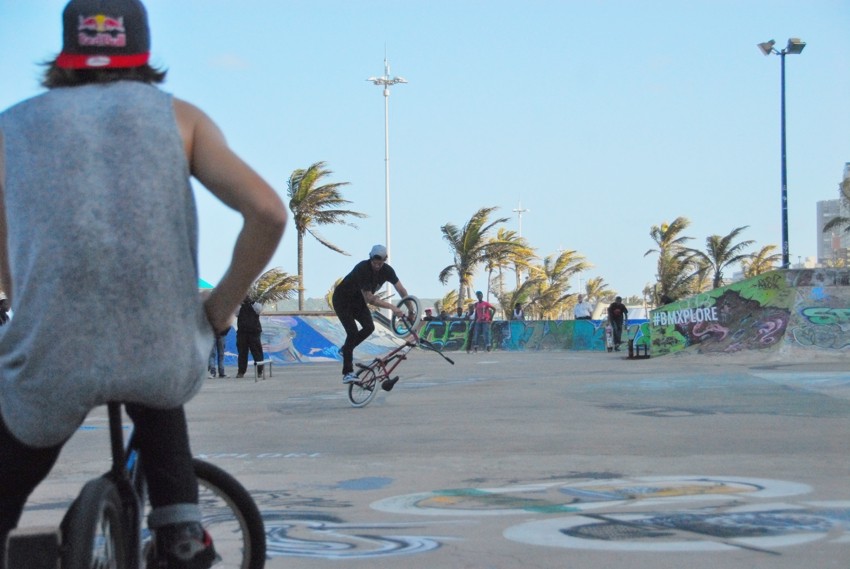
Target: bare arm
{"points": [[375, 300], [5, 272], [232, 181]]}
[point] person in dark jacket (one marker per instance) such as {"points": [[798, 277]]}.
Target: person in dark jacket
{"points": [[617, 315], [248, 331]]}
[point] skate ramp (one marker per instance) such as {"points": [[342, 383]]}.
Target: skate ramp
{"points": [[310, 338], [798, 313]]}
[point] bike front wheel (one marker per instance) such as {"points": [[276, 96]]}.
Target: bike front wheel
{"points": [[362, 391], [93, 532], [231, 517]]}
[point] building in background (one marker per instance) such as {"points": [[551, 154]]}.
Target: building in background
{"points": [[834, 246]]}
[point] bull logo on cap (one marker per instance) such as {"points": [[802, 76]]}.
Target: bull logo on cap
{"points": [[108, 31]]}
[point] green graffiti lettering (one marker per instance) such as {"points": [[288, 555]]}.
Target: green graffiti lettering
{"points": [[826, 316]]}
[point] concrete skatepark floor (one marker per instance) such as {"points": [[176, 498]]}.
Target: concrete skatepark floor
{"points": [[539, 460]]}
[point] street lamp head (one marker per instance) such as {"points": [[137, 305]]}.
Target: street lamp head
{"points": [[767, 47], [795, 46]]}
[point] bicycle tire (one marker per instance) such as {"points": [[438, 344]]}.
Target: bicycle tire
{"points": [[93, 532], [231, 517], [402, 327], [362, 391]]}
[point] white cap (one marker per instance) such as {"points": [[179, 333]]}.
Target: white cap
{"points": [[378, 251]]}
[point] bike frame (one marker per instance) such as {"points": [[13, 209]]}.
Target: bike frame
{"points": [[123, 467], [389, 362], [379, 370]]}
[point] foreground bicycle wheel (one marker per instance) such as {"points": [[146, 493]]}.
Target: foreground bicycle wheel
{"points": [[231, 517], [362, 391], [93, 534]]}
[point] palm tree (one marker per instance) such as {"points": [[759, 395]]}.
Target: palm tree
{"points": [[469, 246], [273, 286], [761, 262], [553, 277], [448, 301], [721, 252], [674, 264], [524, 294], [330, 294], [596, 289], [312, 205], [507, 249]]}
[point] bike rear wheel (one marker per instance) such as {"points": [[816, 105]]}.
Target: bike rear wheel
{"points": [[93, 532], [362, 391], [231, 517]]}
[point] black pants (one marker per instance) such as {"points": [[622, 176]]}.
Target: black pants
{"points": [[248, 342], [163, 440], [617, 328], [350, 314]]}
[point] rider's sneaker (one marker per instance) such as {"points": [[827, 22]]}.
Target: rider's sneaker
{"points": [[350, 377], [389, 384], [183, 546]]}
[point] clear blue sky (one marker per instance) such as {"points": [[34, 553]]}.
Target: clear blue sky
{"points": [[602, 118]]}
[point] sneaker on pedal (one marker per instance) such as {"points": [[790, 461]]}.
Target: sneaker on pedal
{"points": [[183, 546], [350, 377]]}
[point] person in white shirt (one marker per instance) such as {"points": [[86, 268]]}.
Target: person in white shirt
{"points": [[583, 310]]}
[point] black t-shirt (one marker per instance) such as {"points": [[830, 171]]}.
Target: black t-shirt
{"points": [[362, 277], [616, 311]]}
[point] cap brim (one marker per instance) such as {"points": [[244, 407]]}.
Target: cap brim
{"points": [[100, 61]]}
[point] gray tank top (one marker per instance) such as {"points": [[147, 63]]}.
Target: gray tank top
{"points": [[102, 233]]}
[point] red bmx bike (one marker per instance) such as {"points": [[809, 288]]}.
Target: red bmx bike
{"points": [[378, 373]]}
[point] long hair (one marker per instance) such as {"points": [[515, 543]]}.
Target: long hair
{"points": [[56, 76]]}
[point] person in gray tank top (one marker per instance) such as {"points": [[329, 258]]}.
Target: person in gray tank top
{"points": [[96, 202]]}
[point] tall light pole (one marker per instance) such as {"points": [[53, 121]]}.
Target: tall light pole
{"points": [[385, 81], [794, 47], [519, 211]]}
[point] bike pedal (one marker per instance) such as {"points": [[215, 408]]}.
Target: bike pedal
{"points": [[389, 384], [34, 548]]}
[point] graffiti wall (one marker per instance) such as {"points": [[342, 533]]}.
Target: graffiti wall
{"points": [[290, 339], [804, 307], [820, 318], [794, 310], [532, 335]]}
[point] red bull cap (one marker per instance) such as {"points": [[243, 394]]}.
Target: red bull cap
{"points": [[102, 34]]}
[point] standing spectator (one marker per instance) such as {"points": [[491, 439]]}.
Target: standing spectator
{"points": [[484, 312], [470, 315], [248, 331], [429, 315], [459, 314], [217, 354], [582, 310], [617, 315], [518, 313]]}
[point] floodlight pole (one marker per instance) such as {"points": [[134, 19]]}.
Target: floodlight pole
{"points": [[795, 46], [519, 211], [386, 81]]}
